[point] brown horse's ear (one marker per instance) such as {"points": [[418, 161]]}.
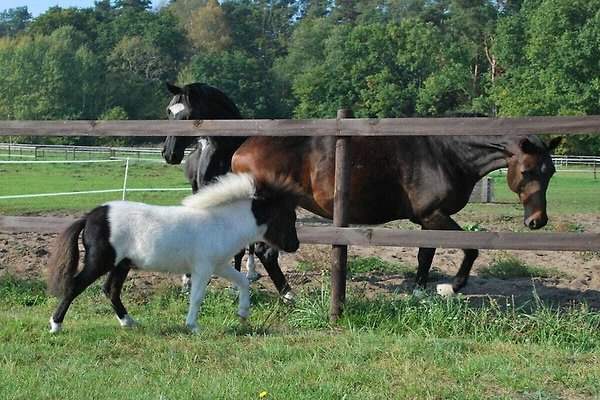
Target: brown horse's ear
{"points": [[553, 143], [528, 147], [175, 90]]}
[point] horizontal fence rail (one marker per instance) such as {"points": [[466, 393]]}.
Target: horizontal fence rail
{"points": [[315, 127], [379, 236]]}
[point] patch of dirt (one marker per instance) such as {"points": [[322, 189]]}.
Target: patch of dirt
{"points": [[575, 277]]}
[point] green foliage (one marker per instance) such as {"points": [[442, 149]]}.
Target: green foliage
{"points": [[550, 51], [396, 58]]}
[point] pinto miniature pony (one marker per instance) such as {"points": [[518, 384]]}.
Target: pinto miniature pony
{"points": [[199, 237], [191, 168]]}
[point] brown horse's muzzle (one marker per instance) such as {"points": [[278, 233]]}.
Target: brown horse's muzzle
{"points": [[537, 220]]}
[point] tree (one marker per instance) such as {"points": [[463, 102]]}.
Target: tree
{"points": [[551, 52], [208, 29], [13, 21], [240, 76]]}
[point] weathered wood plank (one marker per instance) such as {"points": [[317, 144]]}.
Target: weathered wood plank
{"points": [[34, 224], [451, 239], [330, 235], [316, 127]]}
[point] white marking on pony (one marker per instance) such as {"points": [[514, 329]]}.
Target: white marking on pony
{"points": [[54, 326], [445, 290], [127, 321], [176, 108]]}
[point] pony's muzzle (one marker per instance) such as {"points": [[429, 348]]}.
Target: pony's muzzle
{"points": [[291, 246]]}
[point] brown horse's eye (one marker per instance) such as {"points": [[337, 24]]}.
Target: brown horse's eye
{"points": [[526, 173]]}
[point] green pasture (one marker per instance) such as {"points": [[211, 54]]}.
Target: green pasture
{"points": [[395, 347], [20, 179], [387, 348], [568, 193]]}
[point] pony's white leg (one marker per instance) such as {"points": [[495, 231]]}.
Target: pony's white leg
{"points": [[237, 278], [199, 279], [54, 326], [251, 273]]}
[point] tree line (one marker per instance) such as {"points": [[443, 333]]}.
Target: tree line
{"points": [[306, 59]]}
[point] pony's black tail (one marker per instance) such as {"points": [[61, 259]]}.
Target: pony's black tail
{"points": [[64, 259]]}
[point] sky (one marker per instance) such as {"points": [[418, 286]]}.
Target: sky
{"points": [[37, 7]]}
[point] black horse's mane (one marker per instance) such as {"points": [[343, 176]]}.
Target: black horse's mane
{"points": [[214, 97]]}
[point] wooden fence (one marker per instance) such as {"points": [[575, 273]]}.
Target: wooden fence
{"points": [[342, 128]]}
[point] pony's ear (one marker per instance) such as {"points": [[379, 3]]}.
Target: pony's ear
{"points": [[553, 143], [175, 90], [528, 147]]}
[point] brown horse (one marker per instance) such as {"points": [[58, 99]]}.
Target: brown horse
{"points": [[425, 179]]}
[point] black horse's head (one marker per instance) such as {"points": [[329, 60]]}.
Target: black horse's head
{"points": [[195, 101]]}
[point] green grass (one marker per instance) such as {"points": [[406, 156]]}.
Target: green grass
{"points": [[370, 265], [511, 267], [17, 179], [385, 348], [568, 192]]}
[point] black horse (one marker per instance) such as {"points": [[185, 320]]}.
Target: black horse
{"points": [[425, 179], [212, 158]]}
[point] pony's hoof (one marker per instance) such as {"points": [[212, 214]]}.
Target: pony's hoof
{"points": [[242, 320], [127, 321], [288, 297], [54, 327], [445, 290], [193, 328]]}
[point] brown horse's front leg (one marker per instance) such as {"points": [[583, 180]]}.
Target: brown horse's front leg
{"points": [[441, 221]]}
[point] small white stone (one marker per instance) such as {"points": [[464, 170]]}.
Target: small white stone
{"points": [[445, 290]]}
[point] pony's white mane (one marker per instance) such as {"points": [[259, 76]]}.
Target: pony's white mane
{"points": [[227, 189]]}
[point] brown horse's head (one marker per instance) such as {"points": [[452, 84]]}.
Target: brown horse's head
{"points": [[529, 171]]}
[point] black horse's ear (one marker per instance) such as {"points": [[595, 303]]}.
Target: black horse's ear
{"points": [[528, 147], [553, 143], [175, 90]]}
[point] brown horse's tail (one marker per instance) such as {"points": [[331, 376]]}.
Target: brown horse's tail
{"points": [[64, 259]]}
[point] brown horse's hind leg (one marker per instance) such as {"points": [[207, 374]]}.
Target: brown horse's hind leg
{"points": [[112, 288], [424, 258]]}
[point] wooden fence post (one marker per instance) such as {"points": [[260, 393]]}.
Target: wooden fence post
{"points": [[340, 218]]}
